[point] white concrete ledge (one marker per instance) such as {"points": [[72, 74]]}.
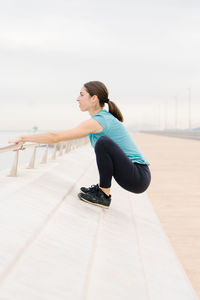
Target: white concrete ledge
{"points": [[54, 246]]}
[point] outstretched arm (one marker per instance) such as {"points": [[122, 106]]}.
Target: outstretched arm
{"points": [[83, 129]]}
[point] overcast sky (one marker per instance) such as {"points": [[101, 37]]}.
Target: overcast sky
{"points": [[146, 52]]}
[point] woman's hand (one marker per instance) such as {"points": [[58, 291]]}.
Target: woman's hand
{"points": [[17, 141]]}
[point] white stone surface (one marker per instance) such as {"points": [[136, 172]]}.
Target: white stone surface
{"points": [[54, 246]]}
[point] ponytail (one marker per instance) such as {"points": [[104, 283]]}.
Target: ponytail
{"points": [[114, 110], [99, 89]]}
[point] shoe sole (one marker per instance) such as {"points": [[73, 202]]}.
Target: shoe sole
{"points": [[96, 204], [83, 192]]}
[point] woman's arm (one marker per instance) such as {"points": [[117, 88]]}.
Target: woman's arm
{"points": [[83, 129]]}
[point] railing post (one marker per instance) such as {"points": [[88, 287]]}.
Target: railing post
{"points": [[32, 161], [13, 171], [67, 148], [61, 149], [54, 152], [72, 145], [64, 146], [45, 156]]}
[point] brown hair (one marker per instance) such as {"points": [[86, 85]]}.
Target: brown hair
{"points": [[100, 90]]}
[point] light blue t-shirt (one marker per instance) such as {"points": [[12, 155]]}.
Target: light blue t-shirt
{"points": [[115, 130]]}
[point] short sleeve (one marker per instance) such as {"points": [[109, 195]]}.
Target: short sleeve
{"points": [[101, 120]]}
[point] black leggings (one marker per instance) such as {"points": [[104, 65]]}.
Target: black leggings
{"points": [[112, 161]]}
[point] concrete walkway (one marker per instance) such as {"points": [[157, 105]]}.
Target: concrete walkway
{"points": [[54, 246]]}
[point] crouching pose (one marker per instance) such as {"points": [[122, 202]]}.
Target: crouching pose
{"points": [[117, 154]]}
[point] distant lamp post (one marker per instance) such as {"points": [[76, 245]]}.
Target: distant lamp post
{"points": [[176, 112], [189, 108], [166, 115]]}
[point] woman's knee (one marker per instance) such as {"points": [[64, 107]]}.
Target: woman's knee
{"points": [[102, 142]]}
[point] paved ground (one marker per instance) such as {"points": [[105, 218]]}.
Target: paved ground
{"points": [[55, 247], [175, 194]]}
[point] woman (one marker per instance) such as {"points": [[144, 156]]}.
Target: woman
{"points": [[116, 153]]}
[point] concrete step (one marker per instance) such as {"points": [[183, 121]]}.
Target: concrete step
{"points": [[54, 246]]}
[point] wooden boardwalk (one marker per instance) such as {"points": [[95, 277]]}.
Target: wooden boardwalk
{"points": [[54, 246]]}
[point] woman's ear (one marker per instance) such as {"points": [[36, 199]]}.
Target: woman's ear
{"points": [[95, 99]]}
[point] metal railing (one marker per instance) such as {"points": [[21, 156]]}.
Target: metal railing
{"points": [[60, 148]]}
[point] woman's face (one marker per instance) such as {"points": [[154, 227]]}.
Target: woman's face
{"points": [[84, 100]]}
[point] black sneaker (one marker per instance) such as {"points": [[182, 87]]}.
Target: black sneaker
{"points": [[97, 197], [92, 188]]}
